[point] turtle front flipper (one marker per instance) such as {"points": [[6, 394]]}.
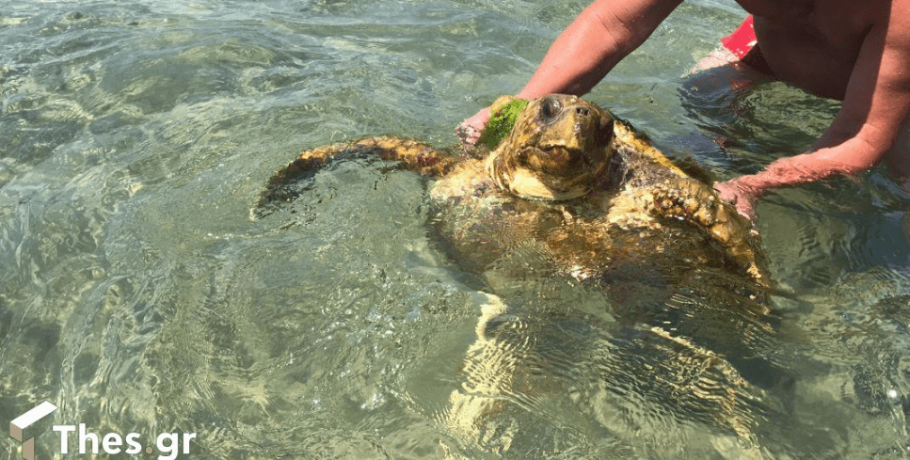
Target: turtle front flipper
{"points": [[695, 202], [412, 155]]}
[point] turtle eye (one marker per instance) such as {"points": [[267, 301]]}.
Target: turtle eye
{"points": [[549, 109]]}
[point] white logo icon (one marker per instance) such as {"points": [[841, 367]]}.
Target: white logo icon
{"points": [[26, 427]]}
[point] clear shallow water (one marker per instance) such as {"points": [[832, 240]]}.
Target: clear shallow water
{"points": [[137, 294]]}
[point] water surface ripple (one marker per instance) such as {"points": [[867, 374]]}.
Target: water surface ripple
{"points": [[138, 294]]}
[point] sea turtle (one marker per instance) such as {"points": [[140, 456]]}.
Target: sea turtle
{"points": [[584, 185], [575, 193]]}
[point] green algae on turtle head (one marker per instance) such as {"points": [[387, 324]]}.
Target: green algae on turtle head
{"points": [[501, 122]]}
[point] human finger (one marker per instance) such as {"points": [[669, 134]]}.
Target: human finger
{"points": [[469, 130]]}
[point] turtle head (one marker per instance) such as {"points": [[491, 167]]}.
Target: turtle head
{"points": [[559, 149]]}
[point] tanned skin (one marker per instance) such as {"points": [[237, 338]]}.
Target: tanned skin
{"points": [[857, 51]]}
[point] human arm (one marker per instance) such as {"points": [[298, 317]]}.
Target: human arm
{"points": [[603, 34], [873, 114]]}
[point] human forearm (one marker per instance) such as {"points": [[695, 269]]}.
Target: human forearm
{"points": [[791, 171], [853, 156], [745, 190], [603, 34], [578, 59]]}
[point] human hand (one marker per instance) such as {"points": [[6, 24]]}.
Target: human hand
{"points": [[739, 195], [469, 130]]}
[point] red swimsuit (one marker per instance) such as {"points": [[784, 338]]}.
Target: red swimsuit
{"points": [[744, 45]]}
